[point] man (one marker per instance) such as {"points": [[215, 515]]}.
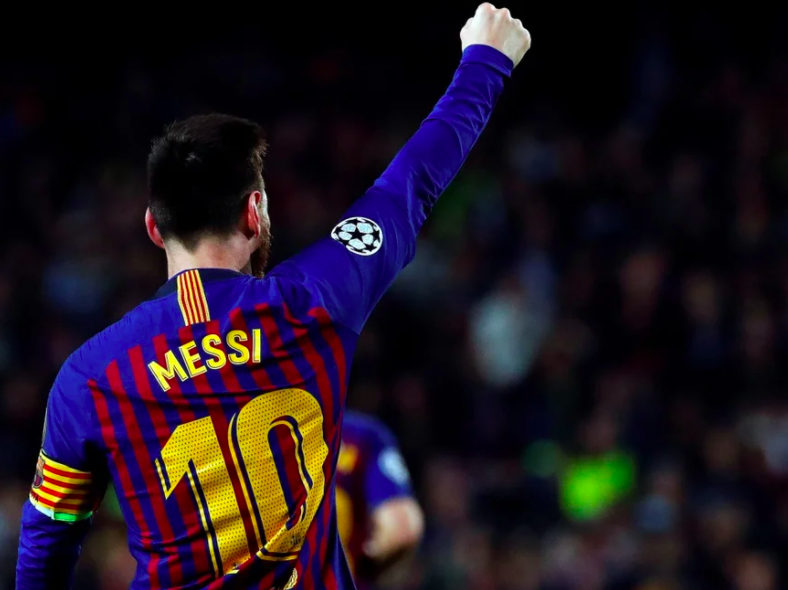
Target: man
{"points": [[215, 407], [379, 520]]}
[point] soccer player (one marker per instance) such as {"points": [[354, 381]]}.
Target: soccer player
{"points": [[380, 522], [216, 407]]}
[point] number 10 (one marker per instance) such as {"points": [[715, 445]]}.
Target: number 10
{"points": [[278, 451]]}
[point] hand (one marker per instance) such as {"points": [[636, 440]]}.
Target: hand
{"points": [[496, 28]]}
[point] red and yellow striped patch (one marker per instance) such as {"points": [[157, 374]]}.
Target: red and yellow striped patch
{"points": [[191, 298], [63, 493]]}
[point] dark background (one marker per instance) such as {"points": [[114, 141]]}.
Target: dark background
{"points": [[586, 363]]}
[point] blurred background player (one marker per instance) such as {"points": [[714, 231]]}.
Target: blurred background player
{"points": [[380, 522]]}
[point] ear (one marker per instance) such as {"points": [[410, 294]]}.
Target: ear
{"points": [[252, 219], [153, 230]]}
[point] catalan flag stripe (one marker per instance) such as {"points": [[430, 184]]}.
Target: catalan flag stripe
{"points": [[58, 506], [202, 297], [182, 301], [61, 492], [54, 488], [60, 499], [191, 298]]}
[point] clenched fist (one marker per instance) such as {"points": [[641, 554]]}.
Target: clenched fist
{"points": [[496, 27]]}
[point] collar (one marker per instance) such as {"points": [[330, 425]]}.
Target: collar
{"points": [[206, 274]]}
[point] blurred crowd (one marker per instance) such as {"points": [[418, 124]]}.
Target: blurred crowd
{"points": [[585, 364]]}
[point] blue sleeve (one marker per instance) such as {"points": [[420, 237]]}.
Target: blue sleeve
{"points": [[67, 487], [386, 475], [350, 270]]}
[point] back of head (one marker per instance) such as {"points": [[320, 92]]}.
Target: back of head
{"points": [[200, 173]]}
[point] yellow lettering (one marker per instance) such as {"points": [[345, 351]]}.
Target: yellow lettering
{"points": [[209, 344], [191, 358], [233, 339], [163, 375], [256, 345]]}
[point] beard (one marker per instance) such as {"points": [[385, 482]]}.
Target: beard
{"points": [[259, 259]]}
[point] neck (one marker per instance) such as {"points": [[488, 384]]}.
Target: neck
{"points": [[231, 253]]}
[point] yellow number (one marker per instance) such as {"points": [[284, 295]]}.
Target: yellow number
{"points": [[281, 515], [285, 530]]}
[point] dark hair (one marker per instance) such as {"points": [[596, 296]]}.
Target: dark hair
{"points": [[200, 173]]}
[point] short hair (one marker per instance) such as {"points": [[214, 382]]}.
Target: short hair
{"points": [[200, 173]]}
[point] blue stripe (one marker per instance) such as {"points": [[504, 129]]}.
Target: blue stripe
{"points": [[268, 361], [296, 354], [323, 348]]}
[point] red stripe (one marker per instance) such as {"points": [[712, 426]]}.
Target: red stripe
{"points": [[329, 508], [267, 581], [73, 495], [316, 362], [227, 373], [144, 461], [181, 405], [142, 385], [85, 476], [327, 396], [294, 377], [186, 504], [332, 578], [192, 300], [275, 343], [183, 299], [198, 293], [108, 434], [330, 335], [77, 487], [338, 353], [237, 322]]}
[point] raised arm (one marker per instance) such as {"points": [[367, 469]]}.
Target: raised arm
{"points": [[351, 269]]}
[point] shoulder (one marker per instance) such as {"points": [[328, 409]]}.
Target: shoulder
{"points": [[91, 359], [296, 289]]}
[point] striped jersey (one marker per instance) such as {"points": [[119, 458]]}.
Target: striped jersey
{"points": [[216, 407]]}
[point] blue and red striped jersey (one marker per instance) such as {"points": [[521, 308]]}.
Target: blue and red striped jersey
{"points": [[370, 471], [216, 407]]}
